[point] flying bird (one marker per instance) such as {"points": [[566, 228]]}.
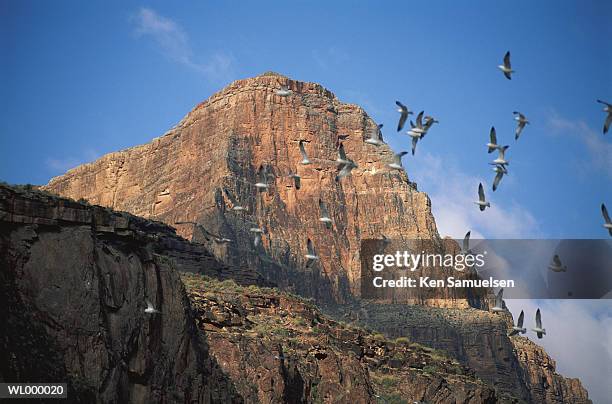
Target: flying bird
{"points": [[376, 137], [500, 170], [346, 170], [262, 178], [284, 91], [519, 326], [506, 68], [538, 328], [608, 109], [501, 157], [397, 161], [417, 129], [297, 180], [324, 214], [150, 309], [482, 202], [258, 231], [556, 265], [342, 159], [429, 121], [521, 122], [499, 302], [235, 205], [492, 145], [607, 221], [305, 161], [404, 112], [310, 255]]}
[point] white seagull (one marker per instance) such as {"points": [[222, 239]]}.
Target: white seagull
{"points": [[376, 136], [429, 121], [417, 129], [310, 255], [499, 302], [284, 91], [556, 265], [262, 181], [404, 112], [342, 159], [346, 170], [608, 109], [324, 214], [305, 161], [482, 202], [521, 122], [397, 161], [500, 170], [506, 68], [538, 328], [607, 222], [501, 157], [519, 326], [150, 309]]}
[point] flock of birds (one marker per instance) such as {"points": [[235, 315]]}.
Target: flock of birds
{"points": [[418, 129], [518, 328]]}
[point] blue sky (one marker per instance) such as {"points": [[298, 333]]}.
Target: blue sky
{"points": [[78, 82]]}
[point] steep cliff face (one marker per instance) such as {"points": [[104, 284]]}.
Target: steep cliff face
{"points": [[220, 145], [74, 281], [208, 164]]}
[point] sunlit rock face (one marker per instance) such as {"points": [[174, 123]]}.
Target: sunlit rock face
{"points": [[209, 162]]}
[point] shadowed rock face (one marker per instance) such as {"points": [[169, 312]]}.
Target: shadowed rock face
{"points": [[206, 165], [74, 280]]}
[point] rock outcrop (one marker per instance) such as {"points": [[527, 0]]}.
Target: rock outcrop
{"points": [[277, 347], [208, 164], [74, 281]]}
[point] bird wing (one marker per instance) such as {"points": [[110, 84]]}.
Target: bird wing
{"points": [[415, 140], [149, 304], [519, 129], [402, 120], [298, 182], [419, 120], [499, 299], [323, 207], [346, 170], [519, 323], [303, 150], [498, 178], [341, 153], [502, 152], [605, 103], [402, 106], [493, 135], [607, 123], [481, 194], [261, 175], [466, 241], [507, 60], [604, 212], [309, 247], [538, 319]]}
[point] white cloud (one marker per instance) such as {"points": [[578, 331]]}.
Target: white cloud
{"points": [[453, 193], [600, 151], [579, 339], [173, 42]]}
